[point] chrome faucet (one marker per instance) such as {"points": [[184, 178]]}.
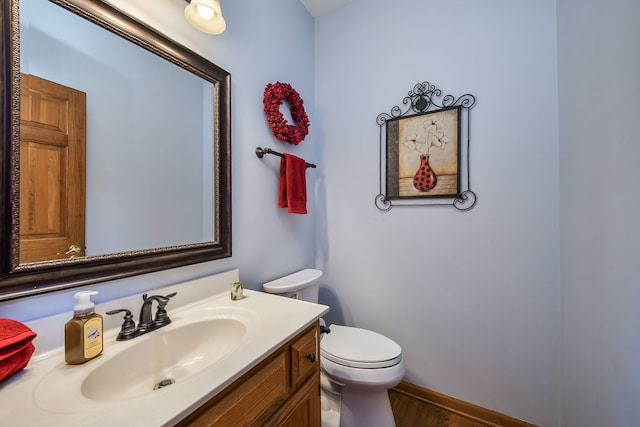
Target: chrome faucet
{"points": [[147, 322]]}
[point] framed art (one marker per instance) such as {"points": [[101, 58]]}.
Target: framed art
{"points": [[424, 151], [423, 155]]}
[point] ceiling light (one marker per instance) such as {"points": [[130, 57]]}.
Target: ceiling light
{"points": [[205, 15]]}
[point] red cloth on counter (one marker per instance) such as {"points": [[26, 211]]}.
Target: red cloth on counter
{"points": [[292, 191], [16, 347]]}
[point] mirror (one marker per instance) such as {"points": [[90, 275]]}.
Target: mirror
{"points": [[150, 201]]}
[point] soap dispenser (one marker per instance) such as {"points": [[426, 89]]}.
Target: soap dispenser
{"points": [[83, 333]]}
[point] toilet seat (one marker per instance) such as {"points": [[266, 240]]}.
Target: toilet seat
{"points": [[359, 348]]}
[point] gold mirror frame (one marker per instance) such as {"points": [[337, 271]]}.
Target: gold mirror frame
{"points": [[20, 280]]}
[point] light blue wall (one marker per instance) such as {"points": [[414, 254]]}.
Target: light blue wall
{"points": [[599, 65], [472, 298]]}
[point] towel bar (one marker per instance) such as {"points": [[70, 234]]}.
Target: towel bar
{"points": [[260, 152]]}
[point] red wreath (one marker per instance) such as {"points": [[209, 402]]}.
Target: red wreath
{"points": [[274, 94]]}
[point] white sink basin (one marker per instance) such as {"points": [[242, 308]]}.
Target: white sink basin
{"points": [[168, 356], [157, 362]]}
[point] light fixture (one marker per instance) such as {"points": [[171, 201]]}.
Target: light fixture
{"points": [[205, 15]]}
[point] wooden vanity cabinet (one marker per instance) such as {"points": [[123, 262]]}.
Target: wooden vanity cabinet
{"points": [[283, 390]]}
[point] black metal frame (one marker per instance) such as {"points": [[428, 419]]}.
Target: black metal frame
{"points": [[422, 99]]}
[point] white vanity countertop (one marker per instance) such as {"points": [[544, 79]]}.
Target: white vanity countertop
{"points": [[278, 320]]}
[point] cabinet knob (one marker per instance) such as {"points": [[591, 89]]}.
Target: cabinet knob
{"points": [[311, 357]]}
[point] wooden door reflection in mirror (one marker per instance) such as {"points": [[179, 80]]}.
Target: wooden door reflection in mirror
{"points": [[52, 170]]}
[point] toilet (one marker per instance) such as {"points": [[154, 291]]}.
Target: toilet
{"points": [[357, 366]]}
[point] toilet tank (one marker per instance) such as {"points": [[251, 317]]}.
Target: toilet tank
{"points": [[301, 285]]}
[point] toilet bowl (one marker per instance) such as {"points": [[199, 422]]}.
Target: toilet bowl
{"points": [[358, 366]]}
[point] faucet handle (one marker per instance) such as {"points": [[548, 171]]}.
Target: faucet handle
{"points": [[159, 298], [162, 318], [128, 329]]}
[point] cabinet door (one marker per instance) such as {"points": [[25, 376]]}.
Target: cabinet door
{"points": [[283, 390], [305, 357], [250, 402], [302, 409]]}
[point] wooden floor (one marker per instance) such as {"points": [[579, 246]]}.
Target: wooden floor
{"points": [[409, 412]]}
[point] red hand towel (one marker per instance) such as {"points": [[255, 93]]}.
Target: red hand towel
{"points": [[16, 347], [292, 192]]}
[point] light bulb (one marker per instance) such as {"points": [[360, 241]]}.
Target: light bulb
{"points": [[205, 15], [205, 12]]}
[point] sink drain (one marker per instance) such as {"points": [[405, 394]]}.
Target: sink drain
{"points": [[164, 383]]}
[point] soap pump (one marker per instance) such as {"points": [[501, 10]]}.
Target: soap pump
{"points": [[83, 333]]}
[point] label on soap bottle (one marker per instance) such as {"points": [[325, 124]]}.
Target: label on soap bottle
{"points": [[92, 337]]}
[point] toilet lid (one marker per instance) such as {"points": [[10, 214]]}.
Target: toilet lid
{"points": [[359, 348]]}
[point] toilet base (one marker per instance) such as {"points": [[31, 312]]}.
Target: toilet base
{"points": [[366, 408], [330, 397], [347, 407], [330, 418]]}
